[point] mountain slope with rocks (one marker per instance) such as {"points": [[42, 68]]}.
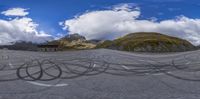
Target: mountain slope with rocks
{"points": [[73, 41]]}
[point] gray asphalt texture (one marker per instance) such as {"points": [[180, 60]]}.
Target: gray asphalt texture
{"points": [[99, 74]]}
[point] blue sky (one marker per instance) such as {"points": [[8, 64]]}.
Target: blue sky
{"points": [[48, 13]]}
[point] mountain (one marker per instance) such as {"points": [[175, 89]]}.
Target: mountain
{"points": [[73, 41], [135, 42], [74, 37], [20, 45], [148, 42]]}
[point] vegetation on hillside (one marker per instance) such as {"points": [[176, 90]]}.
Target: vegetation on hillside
{"points": [[148, 42]]}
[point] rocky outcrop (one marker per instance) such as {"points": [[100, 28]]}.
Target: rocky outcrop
{"points": [[74, 41]]}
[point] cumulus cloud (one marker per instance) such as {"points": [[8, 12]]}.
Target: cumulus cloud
{"points": [[112, 23], [15, 12], [21, 29]]}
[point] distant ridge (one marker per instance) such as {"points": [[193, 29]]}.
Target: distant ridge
{"points": [[133, 42]]}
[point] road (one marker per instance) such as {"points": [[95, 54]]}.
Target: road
{"points": [[99, 74]]}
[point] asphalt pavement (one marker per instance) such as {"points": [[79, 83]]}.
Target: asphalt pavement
{"points": [[99, 74]]}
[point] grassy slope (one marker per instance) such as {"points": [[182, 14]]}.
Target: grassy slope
{"points": [[148, 42]]}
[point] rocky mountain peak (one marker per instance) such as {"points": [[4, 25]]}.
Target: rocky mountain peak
{"points": [[74, 37]]}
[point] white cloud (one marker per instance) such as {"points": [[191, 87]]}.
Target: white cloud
{"points": [[15, 12], [110, 24], [126, 7], [21, 29]]}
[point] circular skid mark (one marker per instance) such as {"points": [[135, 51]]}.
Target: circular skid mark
{"points": [[45, 69], [47, 85]]}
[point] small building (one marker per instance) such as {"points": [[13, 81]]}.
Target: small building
{"points": [[48, 48]]}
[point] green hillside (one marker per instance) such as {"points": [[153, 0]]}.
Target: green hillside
{"points": [[148, 42]]}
